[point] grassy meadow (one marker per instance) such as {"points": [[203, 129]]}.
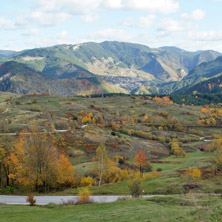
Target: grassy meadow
{"points": [[157, 209], [125, 121]]}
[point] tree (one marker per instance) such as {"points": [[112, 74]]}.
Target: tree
{"points": [[140, 160], [101, 157], [37, 163], [5, 165], [218, 154], [135, 185]]}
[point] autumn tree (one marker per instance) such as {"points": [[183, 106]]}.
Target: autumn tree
{"points": [[101, 157], [5, 164], [140, 160], [176, 149], [135, 185], [217, 145], [37, 163]]}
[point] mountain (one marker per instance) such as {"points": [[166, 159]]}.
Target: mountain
{"points": [[117, 59], [6, 53], [205, 72], [18, 78], [113, 66], [212, 85]]}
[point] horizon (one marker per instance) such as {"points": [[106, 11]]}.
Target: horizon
{"points": [[190, 25], [74, 44]]}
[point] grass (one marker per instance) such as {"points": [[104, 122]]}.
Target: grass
{"points": [[158, 209], [169, 182], [54, 109]]}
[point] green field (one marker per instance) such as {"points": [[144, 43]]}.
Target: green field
{"points": [[158, 209]]}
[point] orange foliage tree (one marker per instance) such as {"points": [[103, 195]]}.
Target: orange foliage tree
{"points": [[37, 163], [140, 160]]}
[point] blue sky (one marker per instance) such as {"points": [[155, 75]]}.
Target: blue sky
{"points": [[188, 24]]}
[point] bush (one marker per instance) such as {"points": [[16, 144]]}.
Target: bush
{"points": [[31, 200], [159, 169], [35, 108], [84, 194], [86, 181], [135, 185], [68, 202], [193, 172], [113, 133], [51, 205]]}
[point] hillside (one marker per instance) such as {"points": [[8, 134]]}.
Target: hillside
{"points": [[18, 78], [212, 85], [117, 59], [6, 53], [205, 72], [114, 67]]}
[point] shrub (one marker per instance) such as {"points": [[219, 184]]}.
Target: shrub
{"points": [[35, 108], [17, 102], [68, 202], [51, 205], [159, 169], [152, 175], [31, 200], [193, 172], [84, 194], [86, 181], [135, 185], [113, 133]]}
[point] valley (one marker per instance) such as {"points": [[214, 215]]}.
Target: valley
{"points": [[107, 67]]}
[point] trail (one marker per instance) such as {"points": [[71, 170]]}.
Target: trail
{"points": [[44, 200]]}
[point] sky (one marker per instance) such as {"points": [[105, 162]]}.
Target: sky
{"points": [[188, 24]]}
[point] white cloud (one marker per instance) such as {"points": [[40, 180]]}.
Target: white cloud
{"points": [[109, 34], [130, 22], [197, 14], [112, 4], [168, 26], [153, 6], [90, 6], [59, 38], [146, 21], [141, 22], [47, 19], [6, 24], [63, 34], [32, 32], [90, 18], [206, 36], [69, 6]]}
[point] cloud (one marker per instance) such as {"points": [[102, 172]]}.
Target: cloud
{"points": [[109, 35], [63, 34], [6, 24], [146, 21], [32, 32], [197, 14], [153, 6], [76, 7], [141, 22], [168, 26], [112, 4], [212, 36], [90, 18], [47, 19], [92, 6]]}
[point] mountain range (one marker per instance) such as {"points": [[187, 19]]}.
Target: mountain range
{"points": [[119, 67]]}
